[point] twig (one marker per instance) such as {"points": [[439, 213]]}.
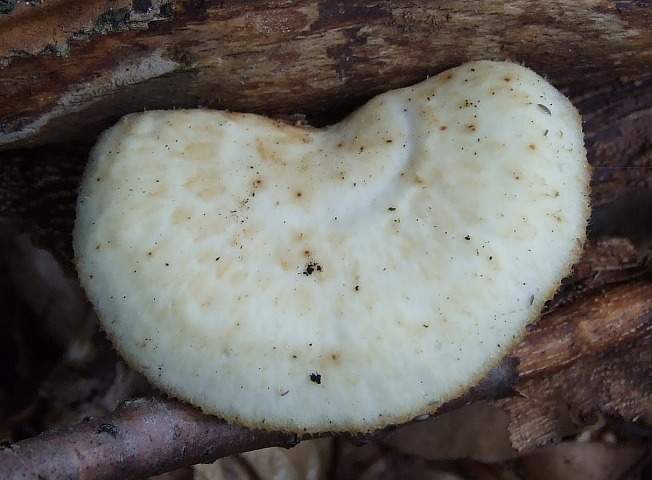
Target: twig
{"points": [[141, 438]]}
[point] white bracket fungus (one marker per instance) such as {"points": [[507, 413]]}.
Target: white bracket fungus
{"points": [[337, 279]]}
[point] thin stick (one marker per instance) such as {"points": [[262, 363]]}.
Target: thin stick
{"points": [[141, 438]]}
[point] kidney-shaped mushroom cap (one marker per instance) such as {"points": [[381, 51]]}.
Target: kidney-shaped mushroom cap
{"points": [[337, 279]]}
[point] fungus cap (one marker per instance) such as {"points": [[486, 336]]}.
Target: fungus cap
{"points": [[336, 279]]}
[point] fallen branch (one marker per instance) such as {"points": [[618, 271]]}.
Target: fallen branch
{"points": [[143, 437]]}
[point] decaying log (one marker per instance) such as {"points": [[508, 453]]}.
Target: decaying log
{"points": [[591, 359], [318, 57], [590, 355]]}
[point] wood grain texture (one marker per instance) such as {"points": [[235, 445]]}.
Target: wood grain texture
{"points": [[591, 353], [321, 58], [586, 328], [591, 356]]}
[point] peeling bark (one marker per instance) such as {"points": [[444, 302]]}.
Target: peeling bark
{"points": [[316, 57]]}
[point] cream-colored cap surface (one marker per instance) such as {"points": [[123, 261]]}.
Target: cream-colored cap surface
{"points": [[337, 279]]}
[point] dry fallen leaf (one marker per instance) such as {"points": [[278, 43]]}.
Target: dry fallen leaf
{"points": [[588, 461], [310, 460], [477, 431]]}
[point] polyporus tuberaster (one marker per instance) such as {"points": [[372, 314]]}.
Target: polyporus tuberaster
{"points": [[337, 279]]}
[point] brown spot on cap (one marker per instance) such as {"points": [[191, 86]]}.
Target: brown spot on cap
{"points": [[268, 252]]}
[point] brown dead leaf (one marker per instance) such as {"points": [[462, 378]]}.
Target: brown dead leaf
{"points": [[352, 460], [182, 474], [587, 461], [309, 460], [477, 431], [65, 369]]}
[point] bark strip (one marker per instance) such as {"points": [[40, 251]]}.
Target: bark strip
{"points": [[306, 56]]}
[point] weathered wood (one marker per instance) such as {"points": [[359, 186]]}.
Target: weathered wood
{"points": [[144, 437], [316, 57], [49, 26], [589, 356], [608, 384]]}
